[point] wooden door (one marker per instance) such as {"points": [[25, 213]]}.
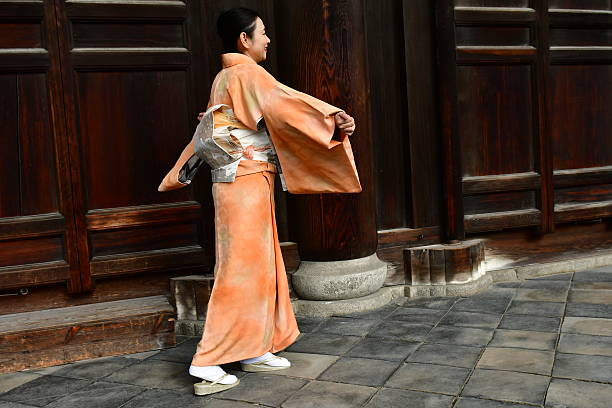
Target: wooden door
{"points": [[526, 122], [128, 83], [37, 228]]}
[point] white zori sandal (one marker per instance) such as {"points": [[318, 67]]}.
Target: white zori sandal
{"points": [[214, 379], [270, 363], [210, 387]]}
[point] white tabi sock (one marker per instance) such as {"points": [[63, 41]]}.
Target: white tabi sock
{"points": [[211, 373], [277, 362]]}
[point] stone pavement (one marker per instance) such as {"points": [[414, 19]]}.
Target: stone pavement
{"points": [[544, 342]]}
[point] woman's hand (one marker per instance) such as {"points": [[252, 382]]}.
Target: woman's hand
{"points": [[345, 123], [200, 115]]}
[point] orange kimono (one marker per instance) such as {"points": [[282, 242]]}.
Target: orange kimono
{"points": [[249, 311]]}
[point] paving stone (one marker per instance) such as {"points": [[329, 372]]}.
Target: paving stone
{"points": [[467, 336], [511, 359], [536, 308], [262, 388], [545, 284], [514, 284], [394, 398], [593, 276], [466, 402], [583, 367], [592, 285], [524, 339], [578, 394], [346, 326], [559, 276], [482, 304], [590, 296], [44, 390], [360, 371], [417, 315], [383, 349], [589, 310], [377, 314], [98, 395], [142, 356], [529, 322], [305, 365], [6, 404], [155, 374], [441, 303], [321, 343], [152, 398], [12, 380], [587, 325], [429, 377], [507, 385], [183, 353], [542, 295], [308, 324], [446, 354], [94, 369], [471, 319], [401, 330], [585, 344], [220, 403], [320, 394]]}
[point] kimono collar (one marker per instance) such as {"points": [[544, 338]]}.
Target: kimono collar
{"points": [[235, 58]]}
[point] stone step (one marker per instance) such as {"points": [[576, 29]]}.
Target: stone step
{"points": [[57, 336]]}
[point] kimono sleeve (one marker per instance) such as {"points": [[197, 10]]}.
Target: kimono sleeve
{"points": [[302, 129]]}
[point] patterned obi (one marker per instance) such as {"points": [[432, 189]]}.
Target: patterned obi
{"points": [[222, 141]]}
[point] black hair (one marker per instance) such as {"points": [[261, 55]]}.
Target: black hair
{"points": [[234, 21]]}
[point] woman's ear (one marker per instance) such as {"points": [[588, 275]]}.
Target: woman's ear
{"points": [[244, 40]]}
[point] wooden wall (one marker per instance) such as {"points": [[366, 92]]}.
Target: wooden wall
{"points": [[484, 115], [528, 130]]}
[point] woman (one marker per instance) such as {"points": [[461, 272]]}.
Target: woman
{"points": [[254, 126]]}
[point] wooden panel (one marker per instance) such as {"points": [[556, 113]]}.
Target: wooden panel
{"points": [[484, 15], [581, 116], [583, 211], [385, 40], [147, 261], [39, 190], [583, 194], [495, 202], [31, 226], [139, 239], [502, 220], [504, 182], [28, 251], [29, 186], [88, 34], [492, 3], [130, 89], [35, 203], [423, 132], [9, 203], [495, 118], [577, 177], [492, 35], [581, 4], [42, 273], [20, 35], [124, 139], [580, 37]]}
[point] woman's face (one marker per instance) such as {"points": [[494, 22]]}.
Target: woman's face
{"points": [[256, 47]]}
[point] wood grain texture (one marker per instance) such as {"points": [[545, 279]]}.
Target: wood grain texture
{"points": [[424, 197], [326, 58]]}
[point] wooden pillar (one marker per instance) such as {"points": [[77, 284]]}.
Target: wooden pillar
{"points": [[322, 52]]}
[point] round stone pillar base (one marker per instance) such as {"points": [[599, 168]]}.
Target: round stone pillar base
{"points": [[339, 280]]}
